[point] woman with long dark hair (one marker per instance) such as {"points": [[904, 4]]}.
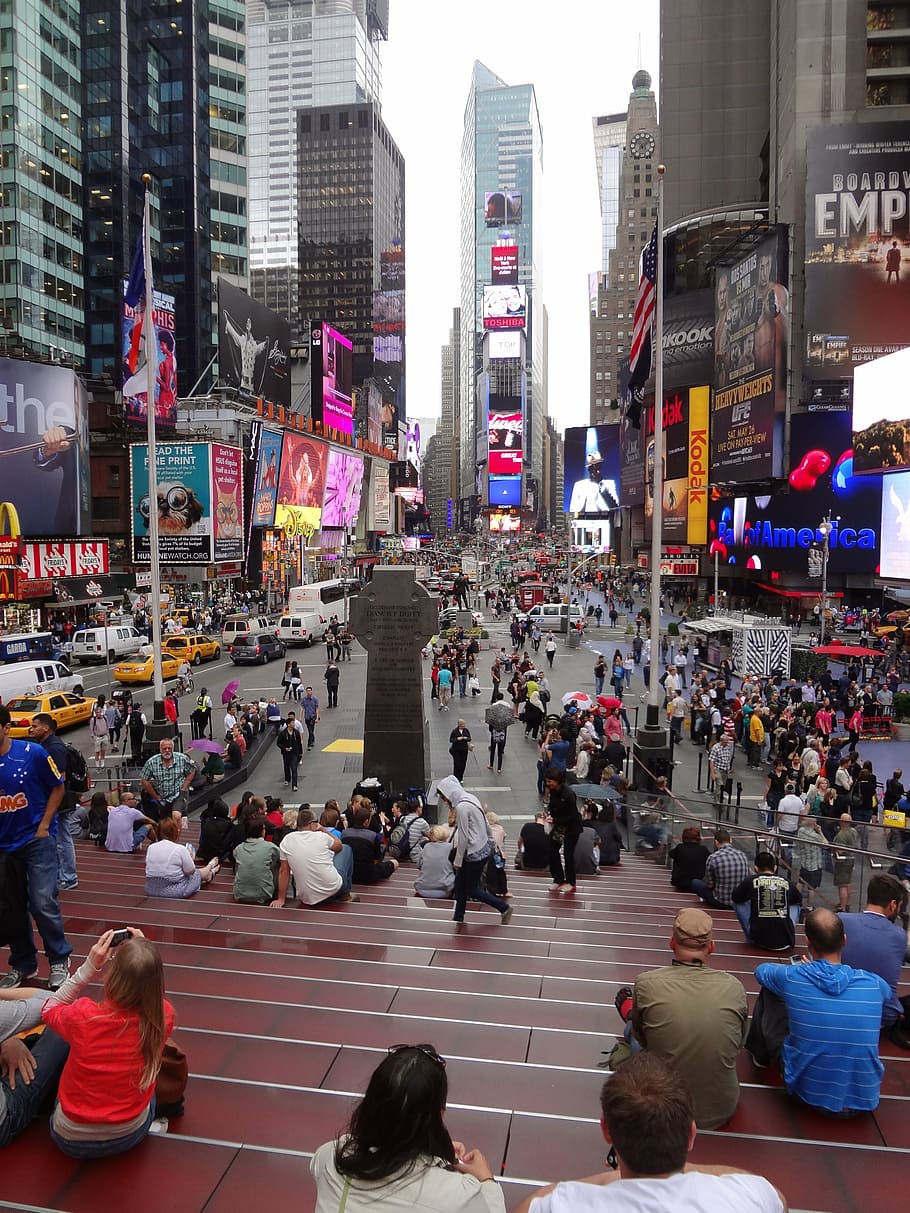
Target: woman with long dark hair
{"points": [[397, 1153]]}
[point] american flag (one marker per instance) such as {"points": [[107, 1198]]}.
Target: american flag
{"points": [[644, 309]]}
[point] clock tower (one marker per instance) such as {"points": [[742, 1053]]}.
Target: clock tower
{"points": [[611, 325]]}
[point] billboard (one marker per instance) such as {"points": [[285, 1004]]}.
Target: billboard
{"points": [[388, 327], [82, 558], [881, 414], [685, 470], [505, 439], [504, 307], [133, 362], [504, 265], [895, 524], [505, 524], [857, 245], [343, 489], [751, 331], [504, 344], [332, 377], [227, 503], [254, 346], [380, 497], [44, 451], [688, 339], [184, 503], [591, 462], [374, 412], [777, 532], [501, 207], [301, 485], [265, 490], [505, 491]]}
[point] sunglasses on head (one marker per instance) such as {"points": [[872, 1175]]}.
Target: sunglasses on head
{"points": [[427, 1050]]}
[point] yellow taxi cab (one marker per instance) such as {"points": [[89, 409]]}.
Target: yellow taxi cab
{"points": [[142, 669], [67, 710], [191, 646]]}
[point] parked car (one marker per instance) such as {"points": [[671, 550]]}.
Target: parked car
{"points": [[255, 647], [33, 677]]}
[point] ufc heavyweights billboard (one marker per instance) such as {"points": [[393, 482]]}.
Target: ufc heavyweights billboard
{"points": [[44, 451], [857, 245], [751, 332], [254, 346]]}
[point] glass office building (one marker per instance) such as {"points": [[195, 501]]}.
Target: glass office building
{"points": [[501, 153], [228, 140], [300, 55]]}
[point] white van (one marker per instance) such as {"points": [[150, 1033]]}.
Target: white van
{"points": [[553, 616], [301, 627], [25, 678], [97, 644], [240, 625]]}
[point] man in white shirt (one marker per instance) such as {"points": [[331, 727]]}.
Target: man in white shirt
{"points": [[647, 1121], [322, 866], [229, 721], [671, 683], [682, 661]]}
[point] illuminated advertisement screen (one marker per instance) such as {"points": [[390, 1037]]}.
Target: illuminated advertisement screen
{"points": [[331, 362], [343, 489], [134, 368], [265, 494], [895, 522], [771, 533], [751, 327], [505, 435], [881, 414], [505, 491], [301, 485], [504, 265], [685, 466], [504, 307], [591, 454], [501, 207], [184, 475], [857, 258], [504, 344], [505, 523]]}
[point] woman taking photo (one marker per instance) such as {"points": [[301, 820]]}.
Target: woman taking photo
{"points": [[105, 1101], [397, 1153]]}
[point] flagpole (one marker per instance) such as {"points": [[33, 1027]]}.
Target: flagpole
{"points": [[652, 752], [657, 485], [151, 365]]}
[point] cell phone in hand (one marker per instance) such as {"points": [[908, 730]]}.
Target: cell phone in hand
{"points": [[120, 937]]}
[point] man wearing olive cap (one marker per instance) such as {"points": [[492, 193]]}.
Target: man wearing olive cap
{"points": [[693, 1017]]}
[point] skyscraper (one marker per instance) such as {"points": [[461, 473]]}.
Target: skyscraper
{"points": [[301, 55], [609, 144], [228, 140], [501, 180], [629, 199]]}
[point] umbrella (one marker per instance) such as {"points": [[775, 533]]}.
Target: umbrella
{"points": [[499, 715], [593, 791], [207, 747], [230, 691], [609, 701], [898, 616], [581, 698], [846, 650]]}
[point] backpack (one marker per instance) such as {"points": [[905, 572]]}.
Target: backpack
{"points": [[75, 773], [399, 839]]}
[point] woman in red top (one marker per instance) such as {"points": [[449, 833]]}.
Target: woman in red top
{"points": [[105, 1103]]}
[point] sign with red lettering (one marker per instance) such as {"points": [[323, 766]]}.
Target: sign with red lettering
{"points": [[685, 466], [79, 558]]}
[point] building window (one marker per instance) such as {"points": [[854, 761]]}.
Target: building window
{"points": [[113, 475]]}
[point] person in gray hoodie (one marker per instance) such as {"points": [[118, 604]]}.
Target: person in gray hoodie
{"points": [[473, 847]]}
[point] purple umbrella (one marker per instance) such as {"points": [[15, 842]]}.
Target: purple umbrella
{"points": [[207, 747], [230, 691]]}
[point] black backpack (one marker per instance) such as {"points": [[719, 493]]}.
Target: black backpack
{"points": [[76, 776]]}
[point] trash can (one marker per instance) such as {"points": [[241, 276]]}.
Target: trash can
{"points": [[573, 638]]}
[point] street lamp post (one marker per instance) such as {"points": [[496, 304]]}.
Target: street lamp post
{"points": [[716, 581], [825, 528], [478, 527]]}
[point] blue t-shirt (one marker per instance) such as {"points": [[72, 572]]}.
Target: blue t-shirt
{"points": [[445, 676], [28, 775], [559, 753], [830, 1057], [877, 945]]}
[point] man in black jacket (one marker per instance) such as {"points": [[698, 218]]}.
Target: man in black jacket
{"points": [[562, 809], [290, 743]]}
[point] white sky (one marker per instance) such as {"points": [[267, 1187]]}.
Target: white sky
{"points": [[580, 55]]}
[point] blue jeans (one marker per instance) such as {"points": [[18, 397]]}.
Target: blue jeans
{"points": [[103, 1149], [743, 911], [40, 858], [599, 684], [68, 828], [467, 888], [24, 1103], [700, 889], [344, 866], [462, 685]]}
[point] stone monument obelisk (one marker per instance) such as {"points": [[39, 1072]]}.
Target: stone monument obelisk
{"points": [[393, 617]]}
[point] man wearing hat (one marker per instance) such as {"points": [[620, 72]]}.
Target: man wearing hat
{"points": [[693, 1017]]}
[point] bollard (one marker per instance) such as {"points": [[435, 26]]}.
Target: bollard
{"points": [[739, 797], [701, 759]]}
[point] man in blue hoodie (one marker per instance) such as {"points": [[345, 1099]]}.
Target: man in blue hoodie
{"points": [[829, 1057]]}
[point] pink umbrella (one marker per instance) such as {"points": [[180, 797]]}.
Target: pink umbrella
{"points": [[207, 747], [230, 691]]}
